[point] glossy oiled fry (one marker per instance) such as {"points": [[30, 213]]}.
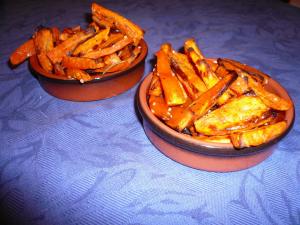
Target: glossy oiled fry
{"points": [[240, 86], [125, 25], [236, 66], [209, 98], [112, 39], [173, 91], [55, 34], [182, 65], [80, 63], [234, 113], [58, 70], [109, 50], [45, 62], [23, 52], [67, 46], [78, 74], [88, 45], [159, 107], [270, 99], [190, 45], [44, 42], [258, 136], [155, 88], [180, 118]]}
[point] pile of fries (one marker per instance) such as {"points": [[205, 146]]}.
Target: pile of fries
{"points": [[220, 100], [109, 44]]}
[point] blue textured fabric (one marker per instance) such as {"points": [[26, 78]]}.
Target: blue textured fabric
{"points": [[65, 162]]}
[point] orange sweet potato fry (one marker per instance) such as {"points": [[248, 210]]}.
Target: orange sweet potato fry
{"points": [[58, 70], [56, 54], [55, 33], [191, 45], [78, 74], [125, 25], [90, 43], [44, 42], [257, 136], [45, 62], [23, 52], [225, 139], [109, 50], [113, 38], [209, 98], [183, 67], [173, 91], [270, 99], [236, 112], [81, 63]]}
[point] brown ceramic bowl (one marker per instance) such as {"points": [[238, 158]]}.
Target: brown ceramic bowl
{"points": [[206, 155], [101, 87]]}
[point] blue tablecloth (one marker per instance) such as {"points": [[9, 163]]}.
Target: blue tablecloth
{"points": [[65, 162]]}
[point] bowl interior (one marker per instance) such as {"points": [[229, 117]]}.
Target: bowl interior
{"points": [[191, 144], [34, 64]]}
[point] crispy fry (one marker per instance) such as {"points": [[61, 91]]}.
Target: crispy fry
{"points": [[270, 99], [45, 62], [78, 74], [236, 66], [173, 91], [190, 45], [237, 112], [80, 63], [257, 136], [180, 118], [56, 54], [23, 52], [109, 50], [44, 42], [88, 45], [125, 25], [209, 98], [182, 65], [58, 70], [155, 88], [112, 39], [55, 34]]}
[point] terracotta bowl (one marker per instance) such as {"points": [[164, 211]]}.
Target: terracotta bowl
{"points": [[101, 87], [206, 155]]}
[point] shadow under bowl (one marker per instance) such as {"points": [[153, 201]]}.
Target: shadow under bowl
{"points": [[101, 87], [217, 157]]}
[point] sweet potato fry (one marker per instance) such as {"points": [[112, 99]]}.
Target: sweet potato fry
{"points": [[113, 38], [183, 67], [270, 99], [55, 34], [56, 54], [58, 70], [173, 91], [155, 88], [180, 118], [234, 113], [190, 45], [109, 50], [88, 45], [125, 25], [236, 66], [23, 52], [44, 42], [78, 74], [80, 63], [45, 62], [257, 136], [209, 98]]}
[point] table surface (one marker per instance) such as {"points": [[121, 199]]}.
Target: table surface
{"points": [[64, 162]]}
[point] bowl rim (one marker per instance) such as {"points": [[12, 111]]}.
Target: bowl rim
{"points": [[35, 66], [198, 146]]}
